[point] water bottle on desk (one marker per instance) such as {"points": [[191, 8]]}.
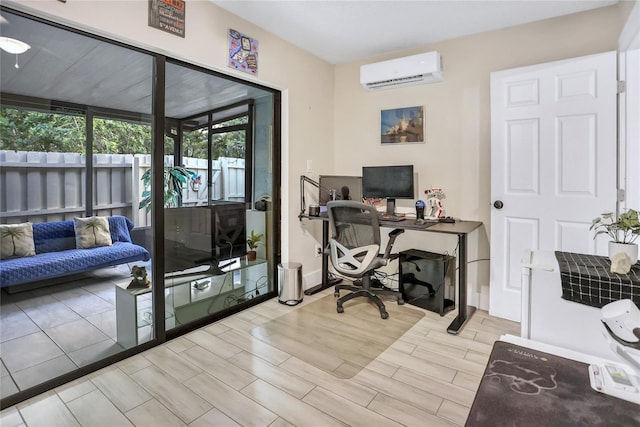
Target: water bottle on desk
{"points": [[420, 209]]}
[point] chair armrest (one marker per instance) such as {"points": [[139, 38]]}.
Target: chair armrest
{"points": [[392, 238]]}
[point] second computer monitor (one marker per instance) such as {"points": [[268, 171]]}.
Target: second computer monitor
{"points": [[390, 182], [341, 187]]}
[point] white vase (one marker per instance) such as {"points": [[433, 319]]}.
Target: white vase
{"points": [[631, 249]]}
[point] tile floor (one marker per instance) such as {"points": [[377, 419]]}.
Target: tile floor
{"points": [[52, 330], [221, 375]]}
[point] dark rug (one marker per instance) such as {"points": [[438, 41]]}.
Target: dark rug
{"points": [[525, 387]]}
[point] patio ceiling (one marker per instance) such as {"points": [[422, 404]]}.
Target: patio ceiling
{"points": [[65, 66]]}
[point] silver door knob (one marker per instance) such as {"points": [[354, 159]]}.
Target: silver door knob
{"points": [[498, 204]]}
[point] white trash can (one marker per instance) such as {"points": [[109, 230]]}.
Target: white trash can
{"points": [[290, 280]]}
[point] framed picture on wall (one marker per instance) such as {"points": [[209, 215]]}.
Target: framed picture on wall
{"points": [[168, 16], [402, 126], [243, 52]]}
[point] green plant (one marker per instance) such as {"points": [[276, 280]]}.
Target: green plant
{"points": [[254, 240], [174, 177], [624, 229]]}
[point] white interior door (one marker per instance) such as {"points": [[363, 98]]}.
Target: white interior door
{"points": [[553, 164], [629, 109]]}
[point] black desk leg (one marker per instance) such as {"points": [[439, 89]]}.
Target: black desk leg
{"points": [[326, 283], [464, 311]]}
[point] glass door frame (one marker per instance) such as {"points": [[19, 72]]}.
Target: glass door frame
{"points": [[160, 334]]}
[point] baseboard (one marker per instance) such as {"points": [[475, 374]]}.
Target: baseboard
{"points": [[309, 280]]}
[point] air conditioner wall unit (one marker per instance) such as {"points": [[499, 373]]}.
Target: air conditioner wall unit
{"points": [[407, 71]]}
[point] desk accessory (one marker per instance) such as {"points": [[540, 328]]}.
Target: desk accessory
{"points": [[201, 284], [621, 321], [303, 206], [434, 207], [420, 209]]}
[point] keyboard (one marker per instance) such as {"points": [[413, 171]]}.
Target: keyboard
{"points": [[392, 218]]}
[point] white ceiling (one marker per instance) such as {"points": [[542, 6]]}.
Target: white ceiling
{"points": [[68, 67], [344, 31]]}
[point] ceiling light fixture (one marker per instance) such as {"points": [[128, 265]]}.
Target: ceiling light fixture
{"points": [[13, 46]]}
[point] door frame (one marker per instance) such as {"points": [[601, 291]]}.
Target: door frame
{"points": [[530, 106]]}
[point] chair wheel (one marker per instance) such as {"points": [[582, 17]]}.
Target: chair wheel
{"points": [[384, 315], [400, 301], [340, 309], [336, 294]]}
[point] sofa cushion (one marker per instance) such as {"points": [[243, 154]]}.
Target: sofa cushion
{"points": [[55, 264], [92, 232], [60, 235], [16, 240], [54, 236], [120, 228]]}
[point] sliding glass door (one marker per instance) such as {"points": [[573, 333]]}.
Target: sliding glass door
{"points": [[209, 267], [75, 120], [77, 156]]}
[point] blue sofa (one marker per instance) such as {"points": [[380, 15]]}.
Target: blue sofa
{"points": [[57, 256]]}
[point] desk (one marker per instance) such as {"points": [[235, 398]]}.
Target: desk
{"points": [[459, 228]]}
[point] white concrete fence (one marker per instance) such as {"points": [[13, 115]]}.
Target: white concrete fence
{"points": [[43, 187]]}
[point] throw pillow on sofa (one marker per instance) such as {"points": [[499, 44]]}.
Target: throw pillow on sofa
{"points": [[92, 232], [17, 240]]}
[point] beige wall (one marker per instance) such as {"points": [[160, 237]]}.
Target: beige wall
{"points": [[307, 81], [456, 155], [331, 120], [457, 152]]}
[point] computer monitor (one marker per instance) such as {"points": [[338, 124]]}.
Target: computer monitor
{"points": [[202, 235], [343, 187], [390, 182]]}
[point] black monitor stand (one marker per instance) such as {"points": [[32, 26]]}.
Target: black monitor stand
{"points": [[391, 206]]}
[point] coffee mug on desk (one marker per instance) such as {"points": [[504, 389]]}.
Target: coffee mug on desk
{"points": [[314, 210]]}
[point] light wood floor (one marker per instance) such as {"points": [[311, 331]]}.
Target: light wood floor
{"points": [[221, 375]]}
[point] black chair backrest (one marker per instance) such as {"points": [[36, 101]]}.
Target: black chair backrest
{"points": [[353, 224]]}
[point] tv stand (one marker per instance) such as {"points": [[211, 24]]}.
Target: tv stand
{"points": [[214, 268], [184, 301]]}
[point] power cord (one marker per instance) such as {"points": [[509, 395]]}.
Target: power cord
{"points": [[266, 282], [387, 280]]}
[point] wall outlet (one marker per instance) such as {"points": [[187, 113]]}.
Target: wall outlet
{"points": [[318, 250]]}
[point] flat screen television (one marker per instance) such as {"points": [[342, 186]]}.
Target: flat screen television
{"points": [[388, 182], [204, 235], [343, 187]]}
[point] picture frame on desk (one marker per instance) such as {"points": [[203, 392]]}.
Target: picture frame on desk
{"points": [[402, 126]]}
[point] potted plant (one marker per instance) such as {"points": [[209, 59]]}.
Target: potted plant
{"points": [[623, 231], [253, 241], [174, 177]]}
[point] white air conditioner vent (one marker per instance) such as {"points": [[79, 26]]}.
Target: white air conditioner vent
{"points": [[411, 70]]}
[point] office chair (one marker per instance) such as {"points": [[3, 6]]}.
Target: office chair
{"points": [[354, 250]]}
